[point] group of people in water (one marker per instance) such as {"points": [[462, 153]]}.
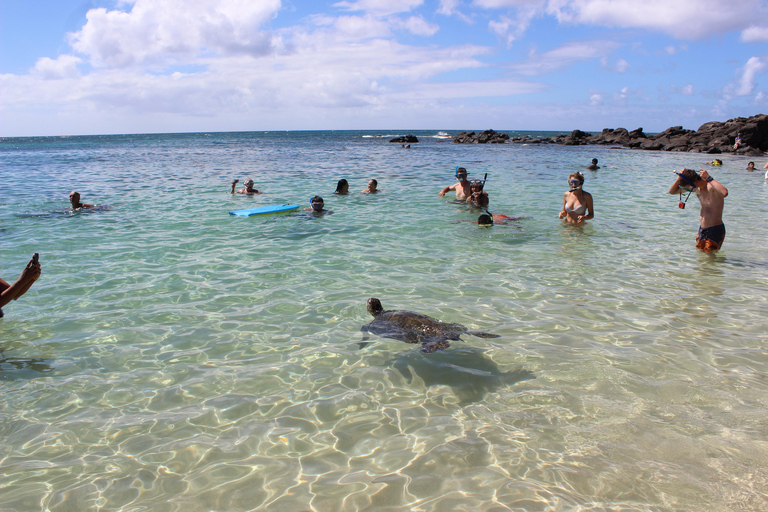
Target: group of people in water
{"points": [[577, 208]]}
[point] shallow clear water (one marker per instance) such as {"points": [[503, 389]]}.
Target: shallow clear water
{"points": [[174, 357]]}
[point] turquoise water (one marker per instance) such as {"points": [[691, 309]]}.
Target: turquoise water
{"points": [[173, 357]]}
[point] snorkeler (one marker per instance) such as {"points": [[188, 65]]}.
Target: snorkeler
{"points": [[576, 201], [317, 207], [477, 197], [461, 187], [711, 194]]}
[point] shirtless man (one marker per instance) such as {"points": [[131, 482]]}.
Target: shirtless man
{"points": [[372, 187], [711, 194], [29, 275], [74, 198], [462, 188], [248, 187]]}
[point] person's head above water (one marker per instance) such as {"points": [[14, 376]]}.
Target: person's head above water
{"points": [[342, 187], [594, 160], [317, 203], [575, 180], [74, 197], [485, 220], [461, 174], [248, 183]]}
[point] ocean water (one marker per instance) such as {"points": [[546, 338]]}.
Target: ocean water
{"points": [[175, 358]]}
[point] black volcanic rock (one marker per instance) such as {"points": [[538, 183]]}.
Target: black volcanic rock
{"points": [[713, 138], [405, 139], [485, 137]]}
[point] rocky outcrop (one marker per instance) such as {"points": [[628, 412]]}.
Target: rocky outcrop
{"points": [[400, 139], [486, 137], [713, 138]]}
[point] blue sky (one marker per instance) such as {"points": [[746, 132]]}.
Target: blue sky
{"points": [[72, 67]]}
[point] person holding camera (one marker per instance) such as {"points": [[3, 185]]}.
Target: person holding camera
{"points": [[711, 194]]}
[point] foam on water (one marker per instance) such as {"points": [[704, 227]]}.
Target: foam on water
{"points": [[173, 357]]}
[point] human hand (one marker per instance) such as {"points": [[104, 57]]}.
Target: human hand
{"points": [[441, 193], [235, 181], [562, 215], [579, 219], [703, 173]]}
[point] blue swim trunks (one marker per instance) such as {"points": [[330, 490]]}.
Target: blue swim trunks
{"points": [[711, 238]]}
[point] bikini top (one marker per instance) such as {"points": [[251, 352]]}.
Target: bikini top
{"points": [[579, 210]]}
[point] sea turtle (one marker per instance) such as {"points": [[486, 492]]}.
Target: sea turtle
{"points": [[415, 328]]}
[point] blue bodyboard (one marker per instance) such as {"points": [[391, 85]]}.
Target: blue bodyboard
{"points": [[263, 210]]}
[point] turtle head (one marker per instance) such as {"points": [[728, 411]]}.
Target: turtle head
{"points": [[374, 306]]}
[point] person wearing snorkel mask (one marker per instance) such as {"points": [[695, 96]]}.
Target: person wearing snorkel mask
{"points": [[462, 188], [711, 194], [577, 203], [316, 206], [477, 197]]}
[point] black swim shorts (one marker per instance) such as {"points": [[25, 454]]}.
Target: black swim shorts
{"points": [[711, 238]]}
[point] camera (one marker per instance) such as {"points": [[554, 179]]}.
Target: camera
{"points": [[681, 205]]}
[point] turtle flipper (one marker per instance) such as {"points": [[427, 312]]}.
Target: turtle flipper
{"points": [[431, 346], [483, 334]]}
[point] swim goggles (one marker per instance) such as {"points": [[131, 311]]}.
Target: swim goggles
{"points": [[574, 184]]}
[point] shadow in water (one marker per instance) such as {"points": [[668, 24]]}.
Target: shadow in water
{"points": [[468, 372], [12, 368]]}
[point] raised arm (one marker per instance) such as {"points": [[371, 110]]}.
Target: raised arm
{"points": [[12, 292]]}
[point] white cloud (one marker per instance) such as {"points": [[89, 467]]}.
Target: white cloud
{"points": [[158, 31], [563, 56], [746, 83], [65, 66], [380, 7], [755, 35], [596, 99], [419, 26], [683, 19], [619, 66]]}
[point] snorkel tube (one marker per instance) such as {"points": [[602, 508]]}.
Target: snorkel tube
{"points": [[681, 204]]}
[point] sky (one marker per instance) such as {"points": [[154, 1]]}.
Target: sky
{"points": [[81, 67]]}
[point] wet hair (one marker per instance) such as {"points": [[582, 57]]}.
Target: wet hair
{"points": [[316, 199], [594, 160], [576, 176], [692, 175], [376, 183], [341, 185], [485, 220]]}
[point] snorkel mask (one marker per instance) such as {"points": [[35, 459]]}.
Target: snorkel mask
{"points": [[574, 184], [316, 204], [460, 171]]}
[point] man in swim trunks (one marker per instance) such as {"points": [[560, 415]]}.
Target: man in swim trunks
{"points": [[711, 194], [462, 188]]}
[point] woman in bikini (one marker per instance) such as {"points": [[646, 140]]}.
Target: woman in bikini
{"points": [[577, 203]]}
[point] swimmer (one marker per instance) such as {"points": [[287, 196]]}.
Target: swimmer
{"points": [[576, 201], [751, 166], [316, 206], [74, 198], [342, 187], [372, 187], [711, 194], [29, 275], [461, 187], [488, 219], [247, 190], [593, 166]]}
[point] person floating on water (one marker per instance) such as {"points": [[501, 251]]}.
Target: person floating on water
{"points": [[74, 198], [576, 201], [29, 275], [711, 194], [593, 166], [248, 187], [489, 219], [461, 187], [342, 187], [372, 187]]}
